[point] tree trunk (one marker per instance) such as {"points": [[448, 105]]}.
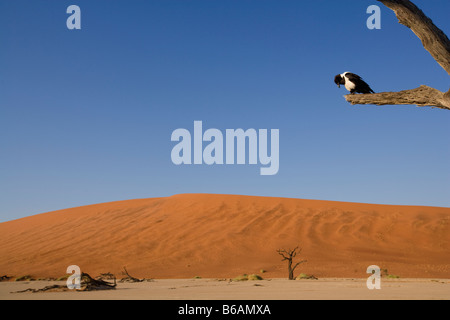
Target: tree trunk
{"points": [[291, 271]]}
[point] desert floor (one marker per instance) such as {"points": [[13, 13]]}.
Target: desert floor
{"points": [[271, 289]]}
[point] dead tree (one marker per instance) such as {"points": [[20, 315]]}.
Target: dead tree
{"points": [[289, 255], [434, 41], [129, 278], [89, 284]]}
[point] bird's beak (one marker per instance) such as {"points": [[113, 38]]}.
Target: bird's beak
{"points": [[339, 85]]}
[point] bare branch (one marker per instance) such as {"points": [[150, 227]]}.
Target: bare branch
{"points": [[296, 265], [282, 253], [287, 254], [423, 96], [129, 278], [433, 39], [284, 257]]}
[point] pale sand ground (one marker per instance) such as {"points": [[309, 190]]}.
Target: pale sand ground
{"points": [[274, 289]]}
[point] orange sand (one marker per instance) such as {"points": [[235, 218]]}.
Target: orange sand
{"points": [[222, 236]]}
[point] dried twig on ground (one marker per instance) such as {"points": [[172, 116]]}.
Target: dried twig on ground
{"points": [[87, 284], [92, 284], [4, 278], [129, 278]]}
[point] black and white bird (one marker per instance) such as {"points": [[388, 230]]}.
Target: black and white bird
{"points": [[352, 83]]}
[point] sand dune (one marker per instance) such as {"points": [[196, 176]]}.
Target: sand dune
{"points": [[222, 236]]}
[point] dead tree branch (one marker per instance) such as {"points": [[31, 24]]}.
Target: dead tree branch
{"points": [[434, 41], [421, 97], [129, 278], [88, 283]]}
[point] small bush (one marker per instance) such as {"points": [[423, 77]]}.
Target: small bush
{"points": [[243, 277], [24, 278], [254, 277], [303, 276], [63, 278], [246, 277], [385, 272]]}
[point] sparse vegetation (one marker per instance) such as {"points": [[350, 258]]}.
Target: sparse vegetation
{"points": [[243, 277], [304, 276], [254, 277], [385, 273], [46, 279], [246, 277], [24, 278], [63, 278]]}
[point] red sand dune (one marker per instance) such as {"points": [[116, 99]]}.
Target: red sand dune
{"points": [[226, 235]]}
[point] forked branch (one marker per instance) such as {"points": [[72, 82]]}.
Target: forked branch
{"points": [[434, 41]]}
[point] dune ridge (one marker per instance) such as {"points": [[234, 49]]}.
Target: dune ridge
{"points": [[222, 236]]}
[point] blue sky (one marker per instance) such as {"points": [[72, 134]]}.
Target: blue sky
{"points": [[86, 115]]}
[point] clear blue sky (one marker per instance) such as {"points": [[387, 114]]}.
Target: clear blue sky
{"points": [[86, 115]]}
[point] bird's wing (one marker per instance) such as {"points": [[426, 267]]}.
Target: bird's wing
{"points": [[359, 82], [353, 77]]}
